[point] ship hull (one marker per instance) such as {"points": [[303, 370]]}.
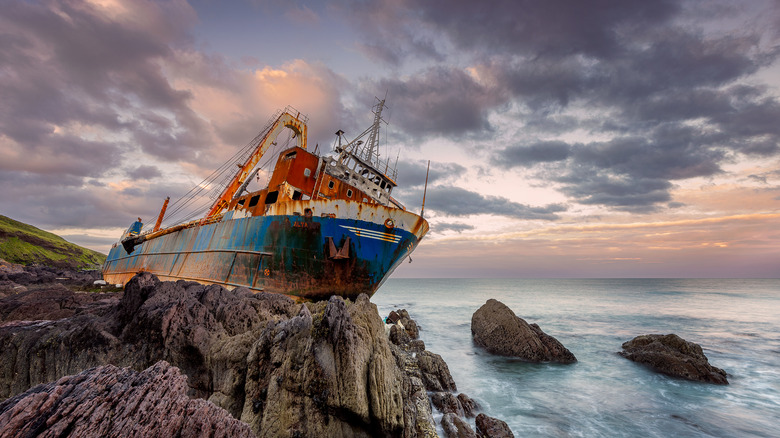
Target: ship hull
{"points": [[305, 249]]}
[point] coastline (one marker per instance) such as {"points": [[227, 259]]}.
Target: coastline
{"points": [[282, 368]]}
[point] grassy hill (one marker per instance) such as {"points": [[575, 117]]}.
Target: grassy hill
{"points": [[25, 244]]}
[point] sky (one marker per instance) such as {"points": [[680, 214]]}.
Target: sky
{"points": [[567, 138]]}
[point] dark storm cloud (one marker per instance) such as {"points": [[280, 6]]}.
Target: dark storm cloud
{"points": [[628, 173], [69, 65], [391, 36], [454, 226], [635, 194], [80, 91], [528, 156], [412, 173], [672, 90], [455, 201], [439, 101]]}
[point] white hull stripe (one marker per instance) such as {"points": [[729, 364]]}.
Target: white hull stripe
{"points": [[362, 232]]}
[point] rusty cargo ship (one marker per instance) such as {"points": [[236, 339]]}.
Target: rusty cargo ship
{"points": [[324, 225]]}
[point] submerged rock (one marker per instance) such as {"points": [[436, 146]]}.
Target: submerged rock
{"points": [[498, 330], [673, 356], [116, 402]]}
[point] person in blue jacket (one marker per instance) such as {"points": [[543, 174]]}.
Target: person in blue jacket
{"points": [[135, 228]]}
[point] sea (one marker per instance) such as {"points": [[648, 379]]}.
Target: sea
{"points": [[736, 321]]}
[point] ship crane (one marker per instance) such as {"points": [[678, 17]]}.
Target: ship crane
{"points": [[285, 120]]}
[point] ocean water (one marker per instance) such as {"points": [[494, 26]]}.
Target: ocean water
{"points": [[736, 321]]}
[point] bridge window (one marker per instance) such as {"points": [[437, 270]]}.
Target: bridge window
{"points": [[272, 197], [331, 184], [253, 201]]}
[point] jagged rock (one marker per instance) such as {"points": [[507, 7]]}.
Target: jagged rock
{"points": [[673, 356], [411, 328], [416, 345], [447, 403], [435, 372], [39, 274], [498, 330], [111, 401], [489, 427], [409, 324], [318, 369], [468, 404], [52, 301], [10, 268], [398, 335], [455, 427]]}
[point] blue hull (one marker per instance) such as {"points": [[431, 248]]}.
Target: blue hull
{"points": [[288, 254]]}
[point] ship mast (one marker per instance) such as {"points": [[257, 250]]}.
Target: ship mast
{"points": [[372, 144], [296, 123], [369, 152]]}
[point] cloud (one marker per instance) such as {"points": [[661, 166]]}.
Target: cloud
{"points": [[528, 156], [441, 227], [667, 84], [391, 37], [302, 15], [82, 74], [412, 173], [144, 172], [440, 101], [629, 194], [455, 201], [89, 85]]}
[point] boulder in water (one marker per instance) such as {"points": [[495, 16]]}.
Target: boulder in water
{"points": [[673, 356], [498, 330]]}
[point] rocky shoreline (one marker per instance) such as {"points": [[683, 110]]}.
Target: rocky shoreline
{"points": [[80, 357], [331, 368]]}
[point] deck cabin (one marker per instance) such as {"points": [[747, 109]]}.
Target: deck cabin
{"points": [[302, 175]]}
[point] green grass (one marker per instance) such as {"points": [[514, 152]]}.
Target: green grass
{"points": [[25, 244]]}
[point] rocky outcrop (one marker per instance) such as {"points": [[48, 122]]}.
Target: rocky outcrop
{"points": [[448, 403], [54, 301], [108, 401], [427, 373], [15, 278], [456, 427], [285, 369], [673, 356], [489, 427], [498, 330]]}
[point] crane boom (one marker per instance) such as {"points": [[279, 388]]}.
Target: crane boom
{"points": [[285, 120]]}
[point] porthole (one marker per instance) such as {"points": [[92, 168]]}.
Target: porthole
{"points": [[349, 193], [331, 184]]}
